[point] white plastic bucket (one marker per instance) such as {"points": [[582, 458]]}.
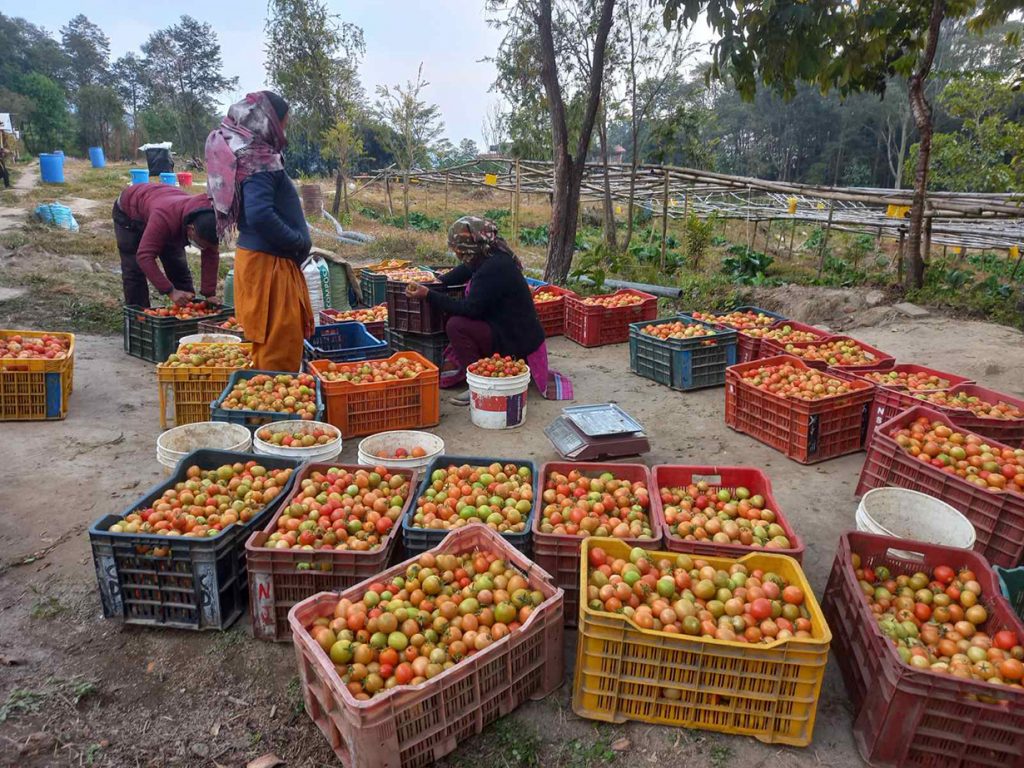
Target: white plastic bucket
{"points": [[496, 403], [210, 338], [906, 514], [370, 447], [174, 444], [328, 452]]}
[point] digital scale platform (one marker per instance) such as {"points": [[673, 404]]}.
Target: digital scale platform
{"points": [[592, 432]]}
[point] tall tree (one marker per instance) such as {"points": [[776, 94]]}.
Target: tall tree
{"points": [[99, 113], [27, 49], [87, 48], [342, 143], [47, 124], [130, 80]]}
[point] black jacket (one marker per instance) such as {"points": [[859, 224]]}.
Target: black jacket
{"points": [[271, 218], [498, 294]]}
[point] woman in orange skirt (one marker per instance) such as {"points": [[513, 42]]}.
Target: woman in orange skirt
{"points": [[250, 190]]}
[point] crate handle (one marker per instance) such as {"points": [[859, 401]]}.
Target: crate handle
{"points": [[906, 555], [709, 479]]}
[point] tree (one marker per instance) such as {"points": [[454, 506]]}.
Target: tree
{"points": [[130, 80], [88, 52], [495, 128], [47, 124], [343, 144], [415, 123], [99, 112], [27, 49]]}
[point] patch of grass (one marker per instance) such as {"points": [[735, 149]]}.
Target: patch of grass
{"points": [[21, 701], [25, 701], [46, 608], [91, 752], [720, 755], [587, 755], [294, 694], [225, 641]]}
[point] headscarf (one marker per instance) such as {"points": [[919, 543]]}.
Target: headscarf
{"points": [[472, 237], [249, 140]]}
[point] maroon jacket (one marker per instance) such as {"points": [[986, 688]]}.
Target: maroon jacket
{"points": [[161, 210]]}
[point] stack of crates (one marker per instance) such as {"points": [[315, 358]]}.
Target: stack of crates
{"points": [[415, 325]]}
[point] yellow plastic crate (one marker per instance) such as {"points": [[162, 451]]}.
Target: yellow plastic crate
{"points": [[35, 390], [189, 391], [768, 691]]}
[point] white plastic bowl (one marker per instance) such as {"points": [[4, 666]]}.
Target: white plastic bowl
{"points": [[174, 444], [370, 447], [906, 514], [328, 452], [210, 338]]}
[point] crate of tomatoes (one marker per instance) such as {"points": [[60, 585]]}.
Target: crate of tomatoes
{"points": [[722, 512], [549, 301], [983, 411], [405, 704], [227, 325], [748, 322], [923, 450], [838, 352], [930, 653], [583, 499], [808, 414], [153, 333], [755, 670], [783, 332], [374, 318], [593, 321], [415, 314], [194, 376], [36, 374], [253, 398], [338, 526], [681, 353]]}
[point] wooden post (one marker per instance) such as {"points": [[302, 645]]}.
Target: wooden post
{"points": [[664, 220], [927, 250], [878, 242], [750, 238], [899, 256], [944, 252], [792, 234], [387, 193], [515, 210], [447, 183], [767, 234], [1013, 275], [686, 218], [824, 240]]}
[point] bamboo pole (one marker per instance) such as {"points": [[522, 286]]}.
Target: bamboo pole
{"points": [[664, 220], [792, 234], [447, 184], [515, 211], [824, 241]]}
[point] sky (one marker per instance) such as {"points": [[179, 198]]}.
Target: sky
{"points": [[450, 37]]}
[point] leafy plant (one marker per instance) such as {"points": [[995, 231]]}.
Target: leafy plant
{"points": [[746, 266], [994, 289], [497, 215], [534, 235], [699, 237], [955, 279]]}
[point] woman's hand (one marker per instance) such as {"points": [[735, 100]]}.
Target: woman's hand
{"points": [[416, 291]]}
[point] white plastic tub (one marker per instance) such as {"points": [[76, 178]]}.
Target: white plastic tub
{"points": [[370, 448], [328, 452], [210, 338], [496, 403], [174, 444], [906, 514]]}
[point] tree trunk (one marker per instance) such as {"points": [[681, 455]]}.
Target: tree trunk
{"points": [[565, 208], [344, 194], [922, 111], [339, 184], [902, 157], [610, 238], [405, 197]]}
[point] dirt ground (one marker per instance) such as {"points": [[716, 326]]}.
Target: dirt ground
{"points": [[78, 690]]}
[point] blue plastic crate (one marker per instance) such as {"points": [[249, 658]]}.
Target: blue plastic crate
{"points": [[534, 282], [419, 540], [255, 419], [682, 364], [344, 342], [200, 583]]}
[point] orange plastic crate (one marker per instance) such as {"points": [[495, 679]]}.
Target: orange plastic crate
{"points": [[365, 409], [189, 390], [36, 390], [594, 326]]}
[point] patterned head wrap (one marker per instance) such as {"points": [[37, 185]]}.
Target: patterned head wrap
{"points": [[472, 237]]}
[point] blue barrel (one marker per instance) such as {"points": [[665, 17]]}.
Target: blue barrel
{"points": [[59, 153], [51, 168], [96, 157], [169, 178], [139, 175]]}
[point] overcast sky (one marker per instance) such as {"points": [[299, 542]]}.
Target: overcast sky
{"points": [[450, 37]]}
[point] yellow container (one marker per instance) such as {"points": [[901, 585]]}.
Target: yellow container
{"points": [[769, 691], [189, 390], [34, 389]]}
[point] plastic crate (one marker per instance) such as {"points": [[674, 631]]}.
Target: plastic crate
{"points": [[747, 347], [156, 338], [213, 326], [915, 718], [414, 726], [806, 432], [1007, 431], [534, 282], [594, 326], [552, 313], [377, 329], [280, 578], [373, 286], [418, 315], [754, 480], [419, 540], [380, 406], [820, 335], [189, 391], [36, 390], [1011, 583], [201, 584], [771, 348], [768, 691], [997, 517], [682, 364], [429, 345], [344, 342], [256, 419], [559, 553]]}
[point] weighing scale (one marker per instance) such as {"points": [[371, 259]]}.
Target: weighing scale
{"points": [[592, 432]]}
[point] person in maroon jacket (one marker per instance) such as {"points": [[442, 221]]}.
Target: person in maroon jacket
{"points": [[157, 221]]}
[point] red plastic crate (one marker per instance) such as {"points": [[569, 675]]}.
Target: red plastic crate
{"points": [[594, 326], [997, 516], [559, 553], [770, 347], [280, 578], [754, 480], [1007, 431], [552, 313], [414, 726], [906, 717], [377, 329], [822, 334], [417, 315], [807, 432]]}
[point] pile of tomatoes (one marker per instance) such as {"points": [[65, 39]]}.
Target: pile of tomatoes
{"points": [[342, 510], [402, 453], [915, 382], [614, 300], [836, 352], [412, 276], [691, 597], [45, 347], [499, 367], [231, 324], [277, 393], [305, 436], [962, 453], [371, 371], [788, 381], [578, 505], [375, 314], [702, 512], [980, 408], [409, 628], [207, 501], [541, 297], [937, 621], [784, 334], [680, 330], [741, 321], [211, 355], [189, 311], [499, 496]]}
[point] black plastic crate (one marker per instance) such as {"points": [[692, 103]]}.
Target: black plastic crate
{"points": [[373, 286], [430, 345], [418, 540], [682, 364], [156, 338], [255, 419], [417, 315], [344, 342], [201, 583]]}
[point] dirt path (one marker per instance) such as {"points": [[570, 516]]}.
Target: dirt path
{"points": [[168, 698]]}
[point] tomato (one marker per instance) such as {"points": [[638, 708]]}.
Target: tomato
{"points": [[1005, 639], [944, 574]]}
